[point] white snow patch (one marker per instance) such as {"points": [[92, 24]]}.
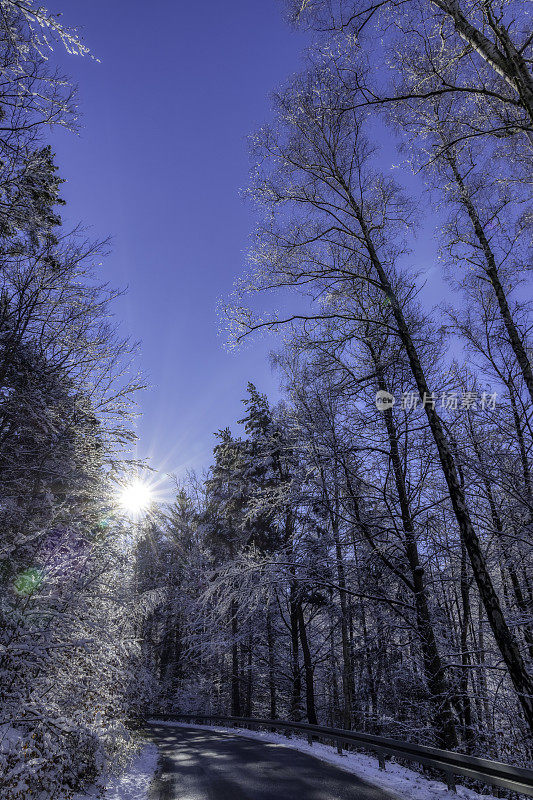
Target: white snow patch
{"points": [[401, 782], [133, 784]]}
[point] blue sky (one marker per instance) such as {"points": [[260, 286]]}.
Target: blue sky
{"points": [[158, 165]]}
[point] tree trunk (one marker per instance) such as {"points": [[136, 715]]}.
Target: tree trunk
{"points": [[464, 697], [235, 677], [271, 671], [295, 709], [308, 670], [504, 58], [249, 678], [348, 685]]}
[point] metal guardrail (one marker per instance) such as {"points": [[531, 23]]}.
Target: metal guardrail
{"points": [[505, 776]]}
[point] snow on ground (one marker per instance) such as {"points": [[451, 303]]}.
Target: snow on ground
{"points": [[403, 783], [133, 784]]}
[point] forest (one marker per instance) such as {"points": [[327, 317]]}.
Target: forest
{"points": [[358, 552]]}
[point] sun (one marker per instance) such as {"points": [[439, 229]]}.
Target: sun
{"points": [[135, 497]]}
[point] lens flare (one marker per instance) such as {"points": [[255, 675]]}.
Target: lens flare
{"points": [[28, 581]]}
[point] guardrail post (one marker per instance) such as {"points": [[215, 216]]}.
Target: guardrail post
{"points": [[309, 739], [450, 782], [339, 748]]}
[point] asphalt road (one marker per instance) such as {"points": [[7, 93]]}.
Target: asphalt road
{"points": [[197, 764]]}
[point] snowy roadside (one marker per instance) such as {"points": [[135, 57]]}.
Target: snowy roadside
{"points": [[403, 783], [133, 784]]}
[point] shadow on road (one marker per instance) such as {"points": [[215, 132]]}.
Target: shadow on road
{"points": [[205, 765]]}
